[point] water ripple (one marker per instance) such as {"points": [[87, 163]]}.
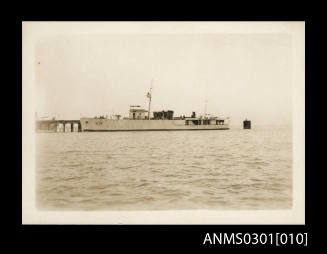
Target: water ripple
{"points": [[160, 170]]}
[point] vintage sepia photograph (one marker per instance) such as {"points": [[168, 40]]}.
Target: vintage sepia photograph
{"points": [[163, 122]]}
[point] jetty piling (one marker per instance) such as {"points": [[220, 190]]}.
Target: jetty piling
{"points": [[58, 126], [246, 124]]}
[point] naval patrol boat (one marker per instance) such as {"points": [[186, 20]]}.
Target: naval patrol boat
{"points": [[140, 120]]}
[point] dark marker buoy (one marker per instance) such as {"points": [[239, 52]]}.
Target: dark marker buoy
{"points": [[246, 124]]}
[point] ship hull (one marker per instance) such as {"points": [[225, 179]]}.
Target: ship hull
{"points": [[97, 124]]}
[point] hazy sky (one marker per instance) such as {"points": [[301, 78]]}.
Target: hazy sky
{"points": [[240, 75]]}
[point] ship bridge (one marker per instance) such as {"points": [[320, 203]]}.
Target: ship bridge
{"points": [[135, 112]]}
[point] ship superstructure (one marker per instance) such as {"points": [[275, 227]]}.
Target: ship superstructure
{"points": [[139, 120]]}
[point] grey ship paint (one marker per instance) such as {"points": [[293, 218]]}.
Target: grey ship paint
{"points": [[138, 120]]}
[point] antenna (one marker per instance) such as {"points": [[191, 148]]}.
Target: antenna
{"points": [[205, 107]]}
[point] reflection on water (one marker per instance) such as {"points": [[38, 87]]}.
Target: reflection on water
{"points": [[230, 169]]}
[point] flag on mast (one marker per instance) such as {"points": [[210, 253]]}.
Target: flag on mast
{"points": [[148, 95]]}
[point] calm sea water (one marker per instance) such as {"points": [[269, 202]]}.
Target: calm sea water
{"points": [[230, 169]]}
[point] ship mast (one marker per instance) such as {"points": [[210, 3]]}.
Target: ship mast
{"points": [[149, 95], [205, 108]]}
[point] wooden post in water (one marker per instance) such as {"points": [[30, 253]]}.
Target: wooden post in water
{"points": [[246, 124]]}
